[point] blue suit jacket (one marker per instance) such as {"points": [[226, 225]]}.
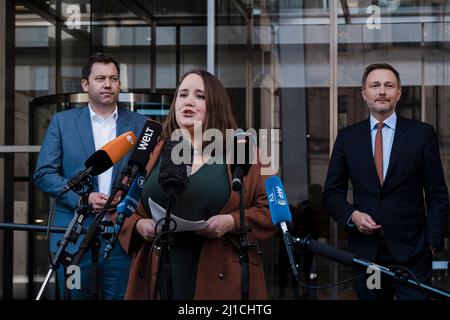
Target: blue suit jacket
{"points": [[67, 144], [411, 205]]}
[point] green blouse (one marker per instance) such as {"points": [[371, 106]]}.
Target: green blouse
{"points": [[206, 194]]}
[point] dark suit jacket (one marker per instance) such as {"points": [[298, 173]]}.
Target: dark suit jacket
{"points": [[412, 204]]}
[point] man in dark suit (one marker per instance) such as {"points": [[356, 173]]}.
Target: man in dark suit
{"points": [[400, 208], [72, 136]]}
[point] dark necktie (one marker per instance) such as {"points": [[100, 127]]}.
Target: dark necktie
{"points": [[379, 152]]}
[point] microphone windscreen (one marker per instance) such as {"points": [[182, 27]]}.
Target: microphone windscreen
{"points": [[243, 151], [110, 153], [173, 175], [278, 203], [146, 144]]}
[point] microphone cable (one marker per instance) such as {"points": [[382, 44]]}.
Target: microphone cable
{"points": [[410, 273], [329, 285]]}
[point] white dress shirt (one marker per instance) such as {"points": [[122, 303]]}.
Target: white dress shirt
{"points": [[104, 130]]}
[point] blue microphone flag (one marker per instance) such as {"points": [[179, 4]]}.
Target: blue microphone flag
{"points": [[128, 205], [278, 203]]}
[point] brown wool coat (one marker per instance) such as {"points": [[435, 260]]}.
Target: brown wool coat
{"points": [[219, 270]]}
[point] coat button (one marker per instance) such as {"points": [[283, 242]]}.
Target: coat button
{"points": [[221, 276], [141, 274]]}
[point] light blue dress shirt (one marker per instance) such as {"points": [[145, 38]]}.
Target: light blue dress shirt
{"points": [[387, 132]]}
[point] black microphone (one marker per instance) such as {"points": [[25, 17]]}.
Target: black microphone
{"points": [[145, 145], [135, 168], [243, 157], [174, 171]]}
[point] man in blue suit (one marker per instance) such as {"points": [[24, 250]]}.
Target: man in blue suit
{"points": [[71, 138], [400, 203]]}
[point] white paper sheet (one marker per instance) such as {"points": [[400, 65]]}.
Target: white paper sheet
{"points": [[182, 224]]}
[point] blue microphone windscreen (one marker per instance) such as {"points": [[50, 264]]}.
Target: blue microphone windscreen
{"points": [[278, 203]]}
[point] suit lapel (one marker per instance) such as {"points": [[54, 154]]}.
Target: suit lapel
{"points": [[366, 149], [84, 127], [122, 125], [399, 138]]}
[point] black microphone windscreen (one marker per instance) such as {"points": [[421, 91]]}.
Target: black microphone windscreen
{"points": [[330, 252], [173, 173], [99, 161], [146, 144], [244, 151]]}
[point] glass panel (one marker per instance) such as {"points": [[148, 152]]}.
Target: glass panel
{"points": [[166, 66], [273, 57], [74, 52], [193, 48], [174, 8]]}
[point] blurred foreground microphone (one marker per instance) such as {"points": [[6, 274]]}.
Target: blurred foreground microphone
{"points": [[243, 157], [125, 209], [146, 143], [104, 158], [173, 176], [279, 211]]}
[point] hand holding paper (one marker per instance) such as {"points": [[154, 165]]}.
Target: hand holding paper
{"points": [[182, 224]]}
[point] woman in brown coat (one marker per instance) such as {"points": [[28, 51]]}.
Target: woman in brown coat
{"points": [[205, 264]]}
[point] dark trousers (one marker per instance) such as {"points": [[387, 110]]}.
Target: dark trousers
{"points": [[110, 280], [420, 266]]}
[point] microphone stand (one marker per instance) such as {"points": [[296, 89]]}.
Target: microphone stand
{"points": [[350, 259], [164, 242], [244, 245], [106, 225], [73, 231], [91, 240], [33, 228]]}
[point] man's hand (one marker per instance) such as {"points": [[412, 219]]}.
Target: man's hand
{"points": [[146, 228], [217, 226], [97, 201], [364, 222]]}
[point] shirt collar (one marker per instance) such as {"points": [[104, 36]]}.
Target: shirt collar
{"points": [[96, 117], [390, 122]]}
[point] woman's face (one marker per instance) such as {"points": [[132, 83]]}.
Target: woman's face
{"points": [[190, 103]]}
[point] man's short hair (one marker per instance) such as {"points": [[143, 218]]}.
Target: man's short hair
{"points": [[376, 66], [98, 57]]}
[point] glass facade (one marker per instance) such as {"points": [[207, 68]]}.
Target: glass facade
{"points": [[292, 65]]}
